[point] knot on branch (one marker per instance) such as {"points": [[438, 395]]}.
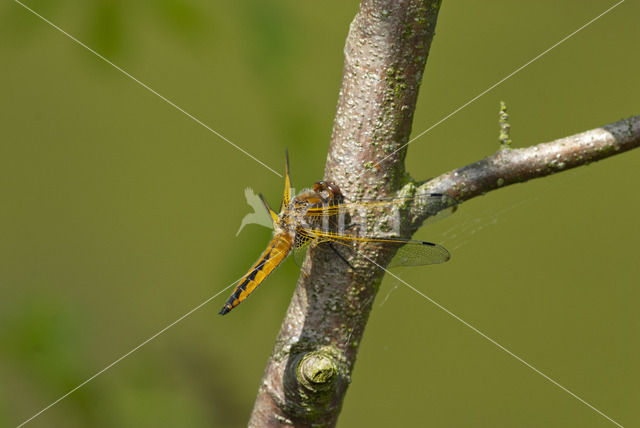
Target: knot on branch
{"points": [[312, 379], [317, 371]]}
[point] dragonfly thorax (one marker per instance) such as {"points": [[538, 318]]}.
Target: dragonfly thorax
{"points": [[299, 217]]}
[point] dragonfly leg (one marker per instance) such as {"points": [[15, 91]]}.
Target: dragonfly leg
{"points": [[351, 226], [335, 250]]}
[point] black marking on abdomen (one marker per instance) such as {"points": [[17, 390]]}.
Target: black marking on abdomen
{"points": [[260, 266], [247, 280]]}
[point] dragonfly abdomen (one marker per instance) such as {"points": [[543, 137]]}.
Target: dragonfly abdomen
{"points": [[275, 253]]}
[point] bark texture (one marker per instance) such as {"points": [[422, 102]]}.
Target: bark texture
{"points": [[386, 50]]}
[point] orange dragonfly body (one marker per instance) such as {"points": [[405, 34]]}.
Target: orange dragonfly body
{"points": [[320, 215]]}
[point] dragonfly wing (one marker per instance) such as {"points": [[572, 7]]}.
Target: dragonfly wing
{"points": [[435, 205], [301, 243], [408, 252], [419, 253], [287, 182], [299, 255], [275, 253]]}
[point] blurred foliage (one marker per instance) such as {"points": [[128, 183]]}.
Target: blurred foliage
{"points": [[106, 27], [38, 338]]}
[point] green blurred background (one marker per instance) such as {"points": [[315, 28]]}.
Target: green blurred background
{"points": [[119, 214]]}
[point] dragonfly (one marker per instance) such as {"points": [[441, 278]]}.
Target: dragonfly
{"points": [[321, 216]]}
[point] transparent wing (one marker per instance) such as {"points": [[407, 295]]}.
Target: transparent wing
{"points": [[299, 254], [420, 253], [437, 205], [301, 243], [408, 252]]}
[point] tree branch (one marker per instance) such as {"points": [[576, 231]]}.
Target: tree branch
{"points": [[511, 166], [309, 371], [385, 53]]}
